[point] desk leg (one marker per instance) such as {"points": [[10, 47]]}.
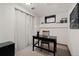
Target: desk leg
{"points": [[54, 48], [33, 44], [38, 42]]}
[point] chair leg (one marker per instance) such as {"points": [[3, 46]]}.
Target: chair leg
{"points": [[41, 46]]}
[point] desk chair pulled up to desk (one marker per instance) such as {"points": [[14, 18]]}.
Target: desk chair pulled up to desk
{"points": [[45, 33]]}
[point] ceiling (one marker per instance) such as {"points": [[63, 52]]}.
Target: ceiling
{"points": [[44, 9]]}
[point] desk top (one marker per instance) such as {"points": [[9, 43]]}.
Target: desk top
{"points": [[48, 37]]}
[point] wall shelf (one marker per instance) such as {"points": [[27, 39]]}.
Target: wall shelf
{"points": [[54, 25]]}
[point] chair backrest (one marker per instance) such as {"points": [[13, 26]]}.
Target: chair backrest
{"points": [[45, 32]]}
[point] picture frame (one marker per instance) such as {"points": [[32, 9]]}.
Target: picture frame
{"points": [[74, 18], [50, 19]]}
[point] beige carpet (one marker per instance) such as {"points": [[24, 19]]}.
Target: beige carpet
{"points": [[61, 51]]}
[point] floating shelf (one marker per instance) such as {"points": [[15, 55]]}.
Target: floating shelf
{"points": [[54, 25]]}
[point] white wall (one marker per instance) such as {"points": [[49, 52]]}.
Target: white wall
{"points": [[7, 21], [73, 41], [36, 25], [56, 29]]}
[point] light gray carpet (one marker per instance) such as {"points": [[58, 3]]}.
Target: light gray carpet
{"points": [[61, 51]]}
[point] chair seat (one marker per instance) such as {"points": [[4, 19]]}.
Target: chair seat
{"points": [[46, 42], [45, 33]]}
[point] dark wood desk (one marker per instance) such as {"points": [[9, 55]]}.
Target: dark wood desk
{"points": [[46, 38]]}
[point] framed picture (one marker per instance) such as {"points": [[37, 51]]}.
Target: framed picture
{"points": [[74, 18], [50, 19]]}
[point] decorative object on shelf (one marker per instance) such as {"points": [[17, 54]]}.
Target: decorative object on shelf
{"points": [[63, 20], [74, 17], [50, 19]]}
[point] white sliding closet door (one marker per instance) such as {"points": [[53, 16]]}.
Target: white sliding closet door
{"points": [[31, 28], [23, 30], [27, 28], [20, 33]]}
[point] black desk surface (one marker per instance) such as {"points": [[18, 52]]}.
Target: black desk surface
{"points": [[48, 37], [5, 44]]}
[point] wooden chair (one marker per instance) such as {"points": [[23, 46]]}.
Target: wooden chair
{"points": [[45, 33]]}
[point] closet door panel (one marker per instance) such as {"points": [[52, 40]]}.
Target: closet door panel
{"points": [[27, 28], [30, 30], [20, 30]]}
